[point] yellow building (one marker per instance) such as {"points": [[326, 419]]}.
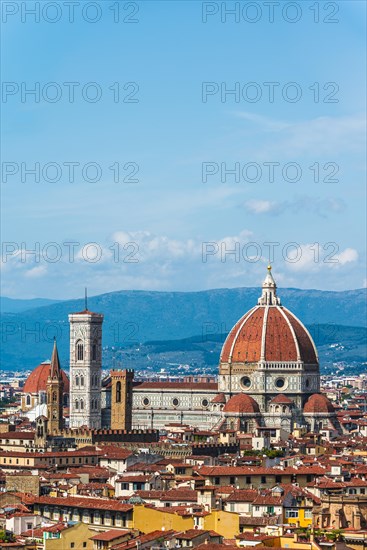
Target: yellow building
{"points": [[223, 523], [303, 519], [77, 537], [146, 518], [226, 524]]}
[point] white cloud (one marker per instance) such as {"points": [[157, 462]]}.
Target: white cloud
{"points": [[348, 255], [35, 272], [260, 206], [160, 262], [315, 205], [315, 257], [317, 136]]}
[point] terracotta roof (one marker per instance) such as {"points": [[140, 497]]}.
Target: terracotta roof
{"points": [[243, 495], [191, 534], [318, 403], [144, 539], [241, 403], [84, 502], [173, 495], [37, 380], [213, 546], [112, 534], [115, 452], [282, 399], [259, 470], [86, 312], [220, 398]]}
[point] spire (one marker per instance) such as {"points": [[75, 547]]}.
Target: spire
{"points": [[55, 362], [269, 291]]}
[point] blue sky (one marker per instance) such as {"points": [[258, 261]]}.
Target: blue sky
{"points": [[168, 134]]}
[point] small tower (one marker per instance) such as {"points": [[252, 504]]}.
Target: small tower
{"points": [[269, 291], [121, 399], [85, 369], [54, 394]]}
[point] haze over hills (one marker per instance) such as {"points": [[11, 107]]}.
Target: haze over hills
{"points": [[140, 316], [11, 305]]}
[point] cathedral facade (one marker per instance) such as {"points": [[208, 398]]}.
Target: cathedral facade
{"points": [[267, 372]]}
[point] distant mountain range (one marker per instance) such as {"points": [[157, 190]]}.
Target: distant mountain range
{"points": [[336, 344], [10, 305], [28, 326]]}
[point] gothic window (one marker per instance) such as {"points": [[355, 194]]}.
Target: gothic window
{"points": [[77, 380], [76, 405], [118, 392], [82, 380], [79, 351], [54, 396], [28, 400], [81, 404], [94, 352]]}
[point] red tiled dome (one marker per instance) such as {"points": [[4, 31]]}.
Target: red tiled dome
{"points": [[220, 398], [241, 403], [37, 380], [269, 332], [318, 403]]}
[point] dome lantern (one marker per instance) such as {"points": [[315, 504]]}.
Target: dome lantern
{"points": [[269, 291]]}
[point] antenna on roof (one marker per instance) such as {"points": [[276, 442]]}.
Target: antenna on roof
{"points": [[86, 298]]}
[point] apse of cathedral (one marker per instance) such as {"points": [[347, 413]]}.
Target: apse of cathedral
{"points": [[268, 380]]}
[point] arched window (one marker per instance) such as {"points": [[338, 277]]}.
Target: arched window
{"points": [[77, 380], [118, 392], [79, 351], [28, 399], [82, 380], [94, 351], [76, 405], [81, 404], [54, 396]]}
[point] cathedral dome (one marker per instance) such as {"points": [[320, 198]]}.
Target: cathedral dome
{"points": [[318, 403], [37, 380], [270, 333], [241, 403]]}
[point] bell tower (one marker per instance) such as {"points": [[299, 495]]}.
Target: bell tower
{"points": [[121, 399], [85, 369], [54, 395]]}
